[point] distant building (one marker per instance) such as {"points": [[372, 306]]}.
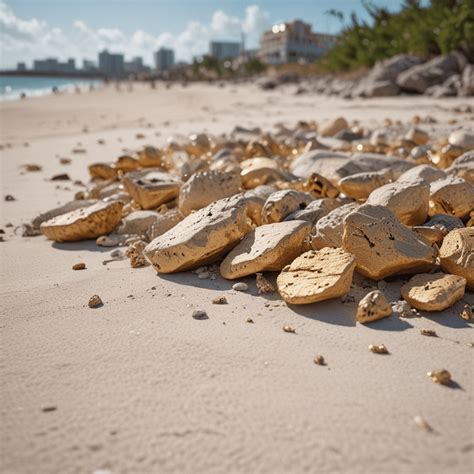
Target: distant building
{"points": [[135, 66], [21, 67], [111, 64], [224, 49], [164, 59], [53, 65], [88, 65], [293, 41]]}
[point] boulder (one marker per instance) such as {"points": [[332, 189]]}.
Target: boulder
{"points": [[382, 245], [316, 276], [206, 187], [201, 237], [453, 196], [463, 166], [408, 200], [433, 292], [267, 248], [457, 254], [84, 223], [372, 307], [282, 203], [150, 188]]}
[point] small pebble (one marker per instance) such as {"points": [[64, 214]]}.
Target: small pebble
{"points": [[79, 266], [240, 286], [442, 376], [200, 314], [288, 328], [48, 408], [219, 300], [9, 197], [422, 423], [319, 360], [428, 332], [467, 313], [378, 349], [95, 301], [250, 320]]}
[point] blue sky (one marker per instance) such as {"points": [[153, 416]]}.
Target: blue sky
{"points": [[78, 28]]}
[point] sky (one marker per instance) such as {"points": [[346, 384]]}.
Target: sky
{"points": [[35, 29]]}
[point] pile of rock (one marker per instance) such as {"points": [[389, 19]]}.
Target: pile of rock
{"points": [[314, 203]]}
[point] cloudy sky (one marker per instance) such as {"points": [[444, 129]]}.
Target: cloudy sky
{"points": [[32, 29]]}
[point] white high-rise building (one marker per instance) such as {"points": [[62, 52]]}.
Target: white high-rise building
{"points": [[164, 59]]}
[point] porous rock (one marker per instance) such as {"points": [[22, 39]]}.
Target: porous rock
{"points": [[282, 203], [267, 248], [316, 276], [426, 173], [137, 223], [315, 210], [382, 245], [360, 185], [64, 209], [463, 166], [372, 307], [164, 223], [453, 196]]}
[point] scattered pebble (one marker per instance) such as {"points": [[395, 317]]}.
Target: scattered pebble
{"points": [[288, 328], [422, 423], [9, 197], [219, 300], [319, 360], [32, 167], [467, 313], [95, 301], [378, 349], [428, 332], [79, 266], [263, 285], [240, 286], [250, 320], [200, 314], [442, 376], [49, 408], [61, 177]]}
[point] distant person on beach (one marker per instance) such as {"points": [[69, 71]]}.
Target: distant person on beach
{"points": [[22, 95], [55, 90]]}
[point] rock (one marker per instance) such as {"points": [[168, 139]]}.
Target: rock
{"points": [[403, 309], [267, 248], [417, 136], [79, 266], [103, 171], [263, 285], [151, 188], [463, 139], [322, 162], [201, 237], [199, 314], [240, 286], [360, 185], [316, 276], [107, 241], [332, 127], [206, 187], [372, 307], [457, 254], [452, 196], [329, 229], [380, 89], [138, 223], [463, 167], [164, 223], [151, 157], [320, 187], [84, 223], [9, 198], [27, 230], [433, 292], [382, 246], [425, 173], [408, 200], [314, 211], [256, 199], [95, 301], [64, 209], [378, 349], [219, 300], [467, 79], [420, 77], [135, 254], [126, 164], [389, 69], [261, 170], [442, 376], [282, 203]]}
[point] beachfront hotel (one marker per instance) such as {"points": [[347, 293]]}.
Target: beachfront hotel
{"points": [[293, 41]]}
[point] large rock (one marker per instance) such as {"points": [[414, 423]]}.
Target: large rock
{"points": [[84, 223], [451, 195], [138, 223], [372, 307], [457, 254], [317, 276], [256, 199], [408, 200], [382, 245], [329, 229], [315, 210], [205, 187], [463, 166], [64, 209], [267, 248], [151, 188], [426, 173], [421, 77], [201, 237], [433, 292], [332, 127], [164, 223], [360, 185], [282, 203], [462, 139]]}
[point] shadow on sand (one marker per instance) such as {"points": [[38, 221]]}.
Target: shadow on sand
{"points": [[83, 245]]}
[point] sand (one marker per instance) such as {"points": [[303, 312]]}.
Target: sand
{"points": [[139, 386]]}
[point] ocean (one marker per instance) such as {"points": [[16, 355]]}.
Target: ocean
{"points": [[11, 87]]}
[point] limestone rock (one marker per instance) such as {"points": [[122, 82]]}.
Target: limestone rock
{"points": [[360, 185], [137, 223], [372, 307], [322, 162], [462, 139], [102, 171], [135, 254], [329, 229], [408, 200], [282, 203], [151, 157], [332, 127], [457, 254], [315, 210], [433, 292], [84, 223], [426, 173], [164, 223], [206, 187], [256, 199], [417, 136], [267, 248], [64, 209], [151, 188], [201, 237], [452, 196], [316, 276], [463, 166], [382, 246]]}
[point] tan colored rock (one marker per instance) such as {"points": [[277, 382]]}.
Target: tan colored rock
{"points": [[430, 234], [372, 307], [426, 173], [135, 254], [150, 188], [462, 139], [457, 254], [433, 292], [103, 171], [463, 167], [151, 157], [329, 229], [256, 199], [417, 136], [452, 196], [138, 223], [282, 203], [126, 163], [84, 223], [331, 128], [408, 200], [164, 223], [206, 187], [64, 209], [383, 246], [360, 185], [201, 237], [317, 276], [320, 187], [267, 248], [315, 210]]}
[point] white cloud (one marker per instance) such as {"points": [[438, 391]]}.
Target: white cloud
{"points": [[28, 39]]}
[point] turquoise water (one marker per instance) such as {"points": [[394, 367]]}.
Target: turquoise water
{"points": [[11, 87]]}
